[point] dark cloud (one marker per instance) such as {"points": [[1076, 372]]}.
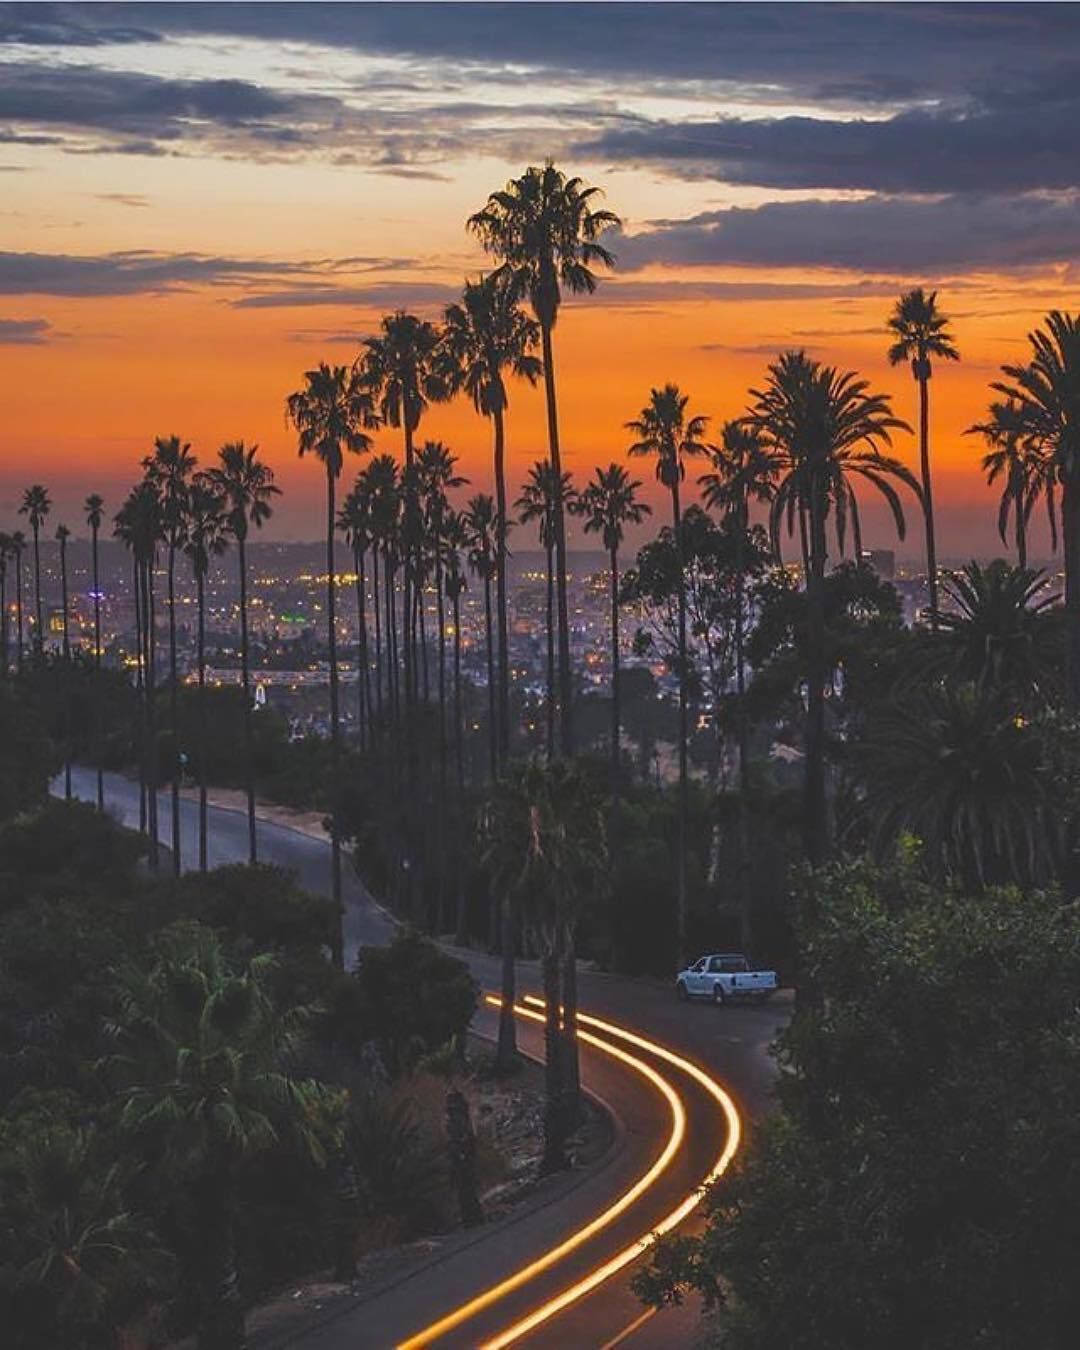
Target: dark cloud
{"points": [[135, 199], [381, 295], [617, 293], [24, 332], [43, 25], [899, 235], [128, 273]]}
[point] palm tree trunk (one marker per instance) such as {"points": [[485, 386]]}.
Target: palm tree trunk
{"points": [[743, 732], [173, 714], [550, 653], [200, 595], [421, 611], [462, 928], [506, 1051], [684, 786], [39, 631], [393, 668], [67, 672], [614, 674], [19, 612], [815, 818], [408, 517], [1070, 529], [245, 677], [501, 596], [440, 615], [140, 690], [149, 636], [493, 721], [3, 617], [923, 376], [337, 943], [97, 670], [378, 633], [361, 647], [1021, 523], [566, 712]]}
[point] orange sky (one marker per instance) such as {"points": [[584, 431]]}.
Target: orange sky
{"points": [[105, 373]]}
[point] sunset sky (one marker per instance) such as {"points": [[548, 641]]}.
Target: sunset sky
{"points": [[198, 202]]}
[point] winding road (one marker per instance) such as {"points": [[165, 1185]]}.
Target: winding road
{"points": [[682, 1083]]}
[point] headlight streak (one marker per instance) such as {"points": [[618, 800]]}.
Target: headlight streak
{"points": [[635, 1249], [454, 1319]]}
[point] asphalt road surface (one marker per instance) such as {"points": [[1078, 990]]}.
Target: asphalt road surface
{"points": [[673, 1128]]}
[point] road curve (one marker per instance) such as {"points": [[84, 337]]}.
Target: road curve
{"points": [[679, 1079]]}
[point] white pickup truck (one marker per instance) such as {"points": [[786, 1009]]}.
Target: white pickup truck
{"points": [[724, 977]]}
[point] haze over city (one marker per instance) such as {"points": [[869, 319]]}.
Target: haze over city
{"points": [[201, 201]]}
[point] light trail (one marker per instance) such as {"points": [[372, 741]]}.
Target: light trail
{"points": [[630, 1253], [462, 1314]]}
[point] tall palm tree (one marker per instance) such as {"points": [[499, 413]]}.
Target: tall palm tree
{"points": [[63, 534], [482, 528], [743, 473], [921, 332], [381, 487], [245, 485], [541, 494], [204, 1054], [608, 503], [138, 527], [6, 551], [488, 336], [825, 429], [18, 548], [354, 522], [205, 536], [170, 468], [36, 505], [1046, 392], [332, 415], [402, 372], [665, 429], [545, 231], [94, 506]]}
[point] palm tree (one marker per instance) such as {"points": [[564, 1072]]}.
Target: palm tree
{"points": [[245, 485], [381, 486], [1046, 392], [454, 543], [332, 414], [204, 1057], [608, 504], [94, 506], [18, 548], [666, 430], [6, 551], [486, 337], [402, 372], [541, 494], [170, 468], [825, 429], [1025, 471], [743, 473], [36, 505], [63, 534], [544, 230], [921, 332], [205, 535], [354, 522], [138, 527], [482, 527]]}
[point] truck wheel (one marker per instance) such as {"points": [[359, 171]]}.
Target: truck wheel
{"points": [[680, 992], [718, 995]]}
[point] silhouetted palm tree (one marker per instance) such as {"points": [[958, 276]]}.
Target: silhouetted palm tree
{"points": [[488, 336], [94, 506], [246, 486], [608, 503], [544, 230], [1046, 392], [332, 415], [6, 552], [825, 429], [170, 468], [540, 496], [206, 535], [18, 548], [354, 522], [921, 332], [36, 505], [384, 486], [401, 371], [455, 541], [665, 429], [481, 525], [63, 534], [743, 473]]}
